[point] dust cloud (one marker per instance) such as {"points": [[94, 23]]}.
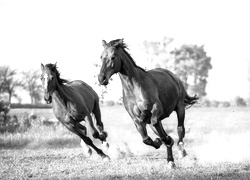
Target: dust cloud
{"points": [[219, 147]]}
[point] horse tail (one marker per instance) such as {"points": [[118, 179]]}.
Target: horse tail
{"points": [[189, 101]]}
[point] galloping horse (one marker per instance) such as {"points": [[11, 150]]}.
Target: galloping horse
{"points": [[148, 96], [72, 103]]}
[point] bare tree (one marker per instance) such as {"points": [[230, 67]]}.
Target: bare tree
{"points": [[33, 85], [8, 82]]}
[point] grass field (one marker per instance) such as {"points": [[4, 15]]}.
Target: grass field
{"points": [[217, 142]]}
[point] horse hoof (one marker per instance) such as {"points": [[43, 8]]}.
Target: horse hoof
{"points": [[105, 144], [103, 135], [96, 135], [171, 165], [105, 158], [182, 153], [88, 153]]}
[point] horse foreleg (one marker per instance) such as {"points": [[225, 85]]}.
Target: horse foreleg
{"points": [[73, 126], [168, 142], [89, 142], [141, 127], [87, 150]]}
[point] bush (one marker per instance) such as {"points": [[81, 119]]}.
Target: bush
{"points": [[240, 102], [224, 104], [4, 109], [14, 124], [30, 106], [214, 103], [205, 102], [248, 102]]}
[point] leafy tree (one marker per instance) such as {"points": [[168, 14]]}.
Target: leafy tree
{"points": [[159, 53], [191, 63], [8, 82], [33, 85]]}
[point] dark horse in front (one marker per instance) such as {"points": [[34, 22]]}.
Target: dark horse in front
{"points": [[148, 96], [73, 102]]}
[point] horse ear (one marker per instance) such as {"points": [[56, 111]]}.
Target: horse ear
{"points": [[55, 64], [42, 66], [104, 43], [120, 41]]}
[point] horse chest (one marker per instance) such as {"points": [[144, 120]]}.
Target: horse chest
{"points": [[64, 110], [139, 108]]}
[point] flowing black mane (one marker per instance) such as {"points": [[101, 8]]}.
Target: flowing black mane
{"points": [[53, 68], [118, 43]]}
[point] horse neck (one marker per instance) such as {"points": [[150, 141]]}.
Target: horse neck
{"points": [[59, 95], [129, 73]]}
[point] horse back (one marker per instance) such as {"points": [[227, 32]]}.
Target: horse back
{"points": [[82, 91]]}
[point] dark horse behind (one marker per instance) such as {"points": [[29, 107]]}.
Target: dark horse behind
{"points": [[73, 102], [148, 96]]}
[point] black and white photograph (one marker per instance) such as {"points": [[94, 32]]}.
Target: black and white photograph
{"points": [[125, 90]]}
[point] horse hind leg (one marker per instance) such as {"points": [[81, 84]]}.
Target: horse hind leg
{"points": [[181, 130]]}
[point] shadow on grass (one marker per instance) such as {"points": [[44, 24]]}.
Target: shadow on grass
{"points": [[32, 143], [14, 143], [9, 129]]}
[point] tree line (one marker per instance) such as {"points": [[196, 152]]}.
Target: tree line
{"points": [[189, 62]]}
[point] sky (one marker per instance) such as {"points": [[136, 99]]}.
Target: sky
{"points": [[70, 33]]}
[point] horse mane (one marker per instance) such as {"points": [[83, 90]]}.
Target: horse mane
{"points": [[53, 68], [118, 43]]}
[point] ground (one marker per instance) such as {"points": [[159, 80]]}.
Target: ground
{"points": [[217, 142]]}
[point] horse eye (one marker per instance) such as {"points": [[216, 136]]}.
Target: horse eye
{"points": [[112, 58]]}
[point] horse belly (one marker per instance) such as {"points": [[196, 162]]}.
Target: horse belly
{"points": [[169, 97]]}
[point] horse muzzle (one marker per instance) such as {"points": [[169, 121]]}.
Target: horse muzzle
{"points": [[103, 80], [47, 98]]}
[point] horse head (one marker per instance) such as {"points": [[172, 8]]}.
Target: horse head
{"points": [[48, 79], [111, 63]]}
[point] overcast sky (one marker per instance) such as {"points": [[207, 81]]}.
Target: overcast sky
{"points": [[70, 33]]}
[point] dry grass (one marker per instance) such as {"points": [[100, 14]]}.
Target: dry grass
{"points": [[217, 142]]}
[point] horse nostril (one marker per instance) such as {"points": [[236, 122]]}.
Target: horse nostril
{"points": [[101, 78]]}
